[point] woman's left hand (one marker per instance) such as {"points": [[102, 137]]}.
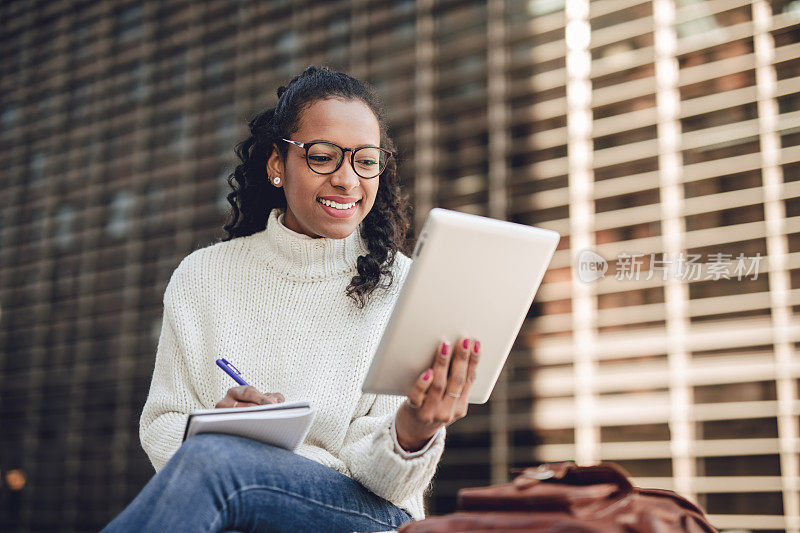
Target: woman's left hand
{"points": [[437, 400]]}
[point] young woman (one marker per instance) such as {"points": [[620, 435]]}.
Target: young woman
{"points": [[296, 297]]}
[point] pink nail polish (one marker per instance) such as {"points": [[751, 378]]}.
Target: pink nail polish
{"points": [[445, 348], [427, 375], [477, 346], [465, 344]]}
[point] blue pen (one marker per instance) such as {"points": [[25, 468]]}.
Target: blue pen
{"points": [[231, 370]]}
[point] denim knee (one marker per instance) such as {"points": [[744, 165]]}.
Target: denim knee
{"points": [[205, 443], [206, 452]]}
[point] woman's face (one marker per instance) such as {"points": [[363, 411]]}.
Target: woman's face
{"points": [[350, 124]]}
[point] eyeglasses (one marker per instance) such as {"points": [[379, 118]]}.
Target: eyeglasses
{"points": [[325, 157]]}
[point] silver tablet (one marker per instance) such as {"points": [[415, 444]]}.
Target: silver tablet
{"points": [[472, 277]]}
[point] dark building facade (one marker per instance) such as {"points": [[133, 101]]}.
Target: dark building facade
{"points": [[661, 126]]}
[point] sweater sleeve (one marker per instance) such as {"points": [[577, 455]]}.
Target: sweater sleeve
{"points": [[172, 396], [370, 454]]}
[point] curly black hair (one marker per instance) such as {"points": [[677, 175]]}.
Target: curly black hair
{"points": [[386, 226]]}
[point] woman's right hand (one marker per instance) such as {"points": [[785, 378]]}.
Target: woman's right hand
{"points": [[248, 396]]}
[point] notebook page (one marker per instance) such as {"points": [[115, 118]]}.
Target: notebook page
{"points": [[282, 428], [268, 407]]}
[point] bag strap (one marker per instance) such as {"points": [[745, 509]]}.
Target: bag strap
{"points": [[570, 474]]}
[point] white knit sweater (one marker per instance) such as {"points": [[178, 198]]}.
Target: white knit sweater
{"points": [[274, 304]]}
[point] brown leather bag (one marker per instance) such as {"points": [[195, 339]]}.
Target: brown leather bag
{"points": [[562, 497]]}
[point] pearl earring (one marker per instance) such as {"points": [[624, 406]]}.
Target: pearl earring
{"points": [[276, 180]]}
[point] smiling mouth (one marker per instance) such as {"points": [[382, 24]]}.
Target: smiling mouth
{"points": [[336, 205]]}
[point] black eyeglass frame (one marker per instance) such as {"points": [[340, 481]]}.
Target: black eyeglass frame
{"points": [[352, 151]]}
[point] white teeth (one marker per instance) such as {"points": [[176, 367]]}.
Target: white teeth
{"points": [[335, 205]]}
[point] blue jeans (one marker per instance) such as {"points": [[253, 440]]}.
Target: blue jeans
{"points": [[221, 482]]}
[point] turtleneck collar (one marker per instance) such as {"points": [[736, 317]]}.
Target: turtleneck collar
{"points": [[301, 257]]}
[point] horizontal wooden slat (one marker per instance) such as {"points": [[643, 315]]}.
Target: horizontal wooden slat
{"points": [[718, 135], [627, 90], [622, 61], [756, 522], [717, 484], [716, 69], [715, 37], [553, 291], [636, 342], [619, 451], [541, 24], [599, 8], [693, 239], [622, 31], [539, 82], [718, 101], [624, 122], [627, 409], [706, 8], [740, 368]]}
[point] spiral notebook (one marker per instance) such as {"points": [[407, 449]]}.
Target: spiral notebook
{"points": [[284, 425]]}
